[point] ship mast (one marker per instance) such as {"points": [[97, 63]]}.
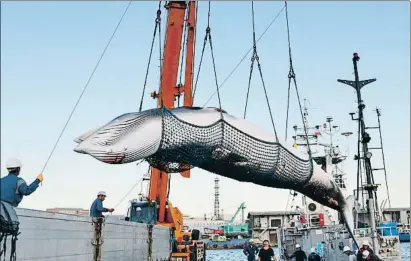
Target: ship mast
{"points": [[364, 157], [307, 140]]}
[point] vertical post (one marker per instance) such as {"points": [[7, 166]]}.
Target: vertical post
{"points": [[364, 138], [383, 156], [97, 241], [150, 242], [366, 155], [216, 199]]}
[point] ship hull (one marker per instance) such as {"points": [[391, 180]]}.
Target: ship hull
{"points": [[404, 237], [57, 237]]}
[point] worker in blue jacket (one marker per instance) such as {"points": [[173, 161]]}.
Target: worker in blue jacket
{"points": [[12, 187], [251, 250], [97, 209]]}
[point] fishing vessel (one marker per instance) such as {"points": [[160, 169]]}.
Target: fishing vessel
{"points": [[323, 141], [326, 153], [329, 240]]}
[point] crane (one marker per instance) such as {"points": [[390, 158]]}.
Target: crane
{"points": [[157, 209], [231, 229], [241, 207]]}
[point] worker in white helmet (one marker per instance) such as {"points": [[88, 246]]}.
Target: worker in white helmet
{"points": [[313, 256], [97, 209], [251, 250], [299, 254], [364, 246], [13, 188], [351, 255]]}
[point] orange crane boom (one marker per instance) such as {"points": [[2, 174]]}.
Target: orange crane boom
{"points": [[169, 90]]}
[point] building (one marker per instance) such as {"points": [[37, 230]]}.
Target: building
{"points": [[263, 225], [72, 211], [399, 215]]}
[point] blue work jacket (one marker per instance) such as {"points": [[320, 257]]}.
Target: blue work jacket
{"points": [[96, 209], [13, 188]]}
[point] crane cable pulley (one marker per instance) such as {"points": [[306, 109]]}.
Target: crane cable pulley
{"points": [[256, 58]]}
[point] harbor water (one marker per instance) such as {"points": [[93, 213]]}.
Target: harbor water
{"points": [[237, 255]]}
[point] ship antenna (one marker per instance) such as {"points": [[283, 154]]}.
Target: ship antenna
{"points": [[364, 157]]}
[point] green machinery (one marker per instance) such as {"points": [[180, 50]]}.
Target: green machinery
{"points": [[233, 230]]}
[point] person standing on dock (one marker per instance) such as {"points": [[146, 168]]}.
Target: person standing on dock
{"points": [[299, 254], [97, 209], [251, 250], [12, 187], [266, 252]]}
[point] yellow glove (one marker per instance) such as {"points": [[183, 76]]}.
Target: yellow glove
{"points": [[40, 177]]}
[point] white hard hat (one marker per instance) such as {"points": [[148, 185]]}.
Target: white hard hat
{"points": [[101, 193], [365, 253], [13, 163], [297, 246], [312, 250], [365, 243], [346, 248], [251, 240]]}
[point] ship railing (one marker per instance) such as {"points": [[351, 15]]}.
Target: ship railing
{"points": [[362, 232], [383, 231]]}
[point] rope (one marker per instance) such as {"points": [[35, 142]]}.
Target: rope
{"points": [[253, 57], [256, 58], [157, 23], [246, 54], [202, 55], [132, 188], [208, 32], [85, 87], [291, 75], [208, 38], [182, 58], [383, 156]]}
